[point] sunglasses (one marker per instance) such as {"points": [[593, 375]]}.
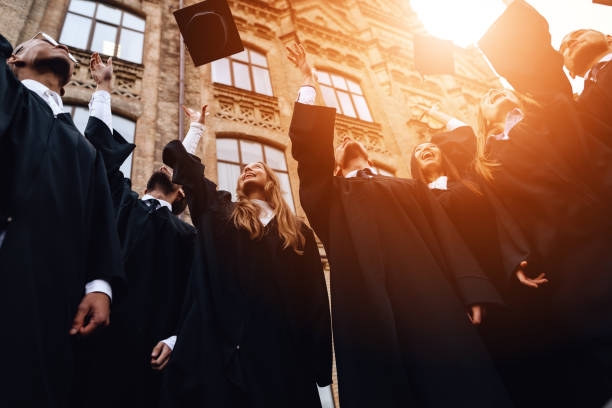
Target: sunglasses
{"points": [[46, 37]]}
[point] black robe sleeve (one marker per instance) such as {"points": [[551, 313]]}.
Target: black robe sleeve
{"points": [[10, 91], [314, 310], [525, 56], [459, 145], [473, 285], [114, 150], [311, 133], [104, 251]]}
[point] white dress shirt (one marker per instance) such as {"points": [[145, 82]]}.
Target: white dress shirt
{"points": [[191, 140], [307, 95], [98, 99], [161, 202], [606, 59], [439, 184], [512, 119], [454, 123], [354, 172]]}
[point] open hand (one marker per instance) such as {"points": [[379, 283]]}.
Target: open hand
{"points": [[101, 73], [297, 55], [160, 356], [195, 116], [96, 306], [476, 315], [532, 283]]}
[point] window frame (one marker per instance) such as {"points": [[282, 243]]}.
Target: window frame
{"points": [[73, 108], [249, 64], [95, 21], [242, 164], [347, 91]]}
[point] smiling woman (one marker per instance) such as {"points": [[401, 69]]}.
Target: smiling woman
{"points": [[463, 22]]}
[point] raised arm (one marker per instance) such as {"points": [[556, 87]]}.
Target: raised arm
{"points": [[111, 145], [312, 138], [524, 55], [11, 91]]}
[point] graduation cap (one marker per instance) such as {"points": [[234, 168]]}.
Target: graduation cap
{"points": [[209, 31], [518, 45], [433, 56], [604, 2]]}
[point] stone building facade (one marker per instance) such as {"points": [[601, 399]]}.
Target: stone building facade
{"points": [[367, 42]]}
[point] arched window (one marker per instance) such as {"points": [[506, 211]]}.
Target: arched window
{"points": [[126, 127], [95, 26], [246, 70], [234, 154], [345, 95]]}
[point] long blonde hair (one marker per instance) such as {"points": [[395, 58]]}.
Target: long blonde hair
{"points": [[246, 214], [482, 164]]}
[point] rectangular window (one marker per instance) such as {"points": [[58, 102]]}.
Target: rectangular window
{"points": [[245, 70], [345, 95], [99, 27]]}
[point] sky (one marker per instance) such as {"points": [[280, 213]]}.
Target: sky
{"points": [[465, 21]]}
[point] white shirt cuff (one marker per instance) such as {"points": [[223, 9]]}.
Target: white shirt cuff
{"points": [[454, 124], [307, 95], [325, 394], [170, 342], [193, 136], [99, 285], [100, 107]]}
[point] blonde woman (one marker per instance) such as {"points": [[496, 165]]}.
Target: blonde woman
{"points": [[256, 328], [534, 159]]}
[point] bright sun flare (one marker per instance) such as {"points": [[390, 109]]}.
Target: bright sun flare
{"points": [[462, 21]]}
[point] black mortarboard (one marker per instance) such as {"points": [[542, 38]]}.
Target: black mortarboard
{"points": [[604, 2], [209, 31], [433, 56], [518, 46]]}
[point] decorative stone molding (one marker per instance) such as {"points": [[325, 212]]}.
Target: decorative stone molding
{"points": [[127, 76], [247, 107], [370, 134]]}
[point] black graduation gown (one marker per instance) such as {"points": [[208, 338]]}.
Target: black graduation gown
{"points": [[540, 183], [62, 235], [401, 280], [157, 249], [256, 329]]}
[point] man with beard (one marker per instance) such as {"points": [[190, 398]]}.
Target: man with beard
{"points": [[157, 250], [59, 251], [402, 280], [587, 54]]}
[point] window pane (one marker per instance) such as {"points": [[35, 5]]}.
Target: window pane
{"points": [[80, 118], [329, 97], [242, 56], [339, 82], [323, 78], [132, 21], [130, 46], [228, 177], [126, 128], [83, 7], [104, 39], [109, 14], [251, 152], [227, 149], [362, 108], [261, 77], [241, 76], [283, 178], [347, 106], [74, 29], [221, 71], [275, 158], [354, 87], [258, 59]]}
